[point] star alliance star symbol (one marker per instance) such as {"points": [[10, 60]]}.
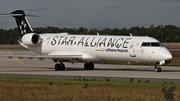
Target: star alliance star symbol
{"points": [[23, 27]]}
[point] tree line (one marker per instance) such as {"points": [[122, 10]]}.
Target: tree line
{"points": [[166, 33]]}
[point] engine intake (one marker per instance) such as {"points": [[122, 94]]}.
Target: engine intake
{"points": [[31, 39]]}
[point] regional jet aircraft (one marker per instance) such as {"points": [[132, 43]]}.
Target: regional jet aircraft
{"points": [[64, 47]]}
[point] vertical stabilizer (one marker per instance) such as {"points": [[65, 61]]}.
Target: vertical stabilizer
{"points": [[22, 22]]}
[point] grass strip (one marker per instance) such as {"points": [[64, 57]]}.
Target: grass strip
{"points": [[20, 89]]}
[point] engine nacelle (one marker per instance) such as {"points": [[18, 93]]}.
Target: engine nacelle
{"points": [[31, 39]]}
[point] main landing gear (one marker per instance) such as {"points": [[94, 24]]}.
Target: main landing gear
{"points": [[60, 66], [157, 68], [89, 66]]}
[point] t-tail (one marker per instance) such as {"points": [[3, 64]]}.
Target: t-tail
{"points": [[22, 22], [28, 36]]}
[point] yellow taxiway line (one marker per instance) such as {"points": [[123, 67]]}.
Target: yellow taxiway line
{"points": [[18, 60]]}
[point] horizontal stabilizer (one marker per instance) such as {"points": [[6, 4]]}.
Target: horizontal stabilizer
{"points": [[10, 14]]}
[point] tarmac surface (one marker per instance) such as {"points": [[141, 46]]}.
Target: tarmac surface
{"points": [[34, 68]]}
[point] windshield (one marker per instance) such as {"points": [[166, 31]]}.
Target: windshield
{"points": [[151, 44]]}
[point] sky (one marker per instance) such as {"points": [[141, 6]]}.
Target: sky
{"points": [[97, 14]]}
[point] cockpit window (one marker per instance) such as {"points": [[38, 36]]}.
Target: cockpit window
{"points": [[155, 44], [152, 44], [146, 44]]}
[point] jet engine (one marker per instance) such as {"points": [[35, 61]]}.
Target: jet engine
{"points": [[31, 39]]}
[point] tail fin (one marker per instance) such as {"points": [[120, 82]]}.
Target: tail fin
{"points": [[22, 22]]}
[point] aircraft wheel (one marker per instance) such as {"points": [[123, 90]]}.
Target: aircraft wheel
{"points": [[62, 66], [57, 67], [158, 69], [91, 66], [86, 66]]}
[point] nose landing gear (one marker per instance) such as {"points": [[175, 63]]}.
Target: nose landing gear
{"points": [[157, 68]]}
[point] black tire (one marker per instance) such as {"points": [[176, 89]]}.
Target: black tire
{"points": [[156, 69], [62, 67], [91, 66], [159, 69], [57, 67], [86, 66]]}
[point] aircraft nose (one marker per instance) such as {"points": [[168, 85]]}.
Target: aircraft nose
{"points": [[168, 55], [165, 54]]}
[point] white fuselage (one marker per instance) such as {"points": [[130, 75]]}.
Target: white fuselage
{"points": [[94, 47]]}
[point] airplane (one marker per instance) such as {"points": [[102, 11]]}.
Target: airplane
{"points": [[65, 47]]}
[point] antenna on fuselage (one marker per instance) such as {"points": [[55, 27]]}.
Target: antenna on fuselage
{"points": [[130, 34], [97, 33]]}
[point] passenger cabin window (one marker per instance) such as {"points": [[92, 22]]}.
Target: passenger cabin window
{"points": [[151, 44]]}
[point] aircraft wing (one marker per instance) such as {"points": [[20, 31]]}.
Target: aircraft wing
{"points": [[42, 57]]}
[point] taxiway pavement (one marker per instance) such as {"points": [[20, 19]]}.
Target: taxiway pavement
{"points": [[35, 68]]}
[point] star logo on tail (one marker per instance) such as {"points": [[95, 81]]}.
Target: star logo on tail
{"points": [[22, 27]]}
